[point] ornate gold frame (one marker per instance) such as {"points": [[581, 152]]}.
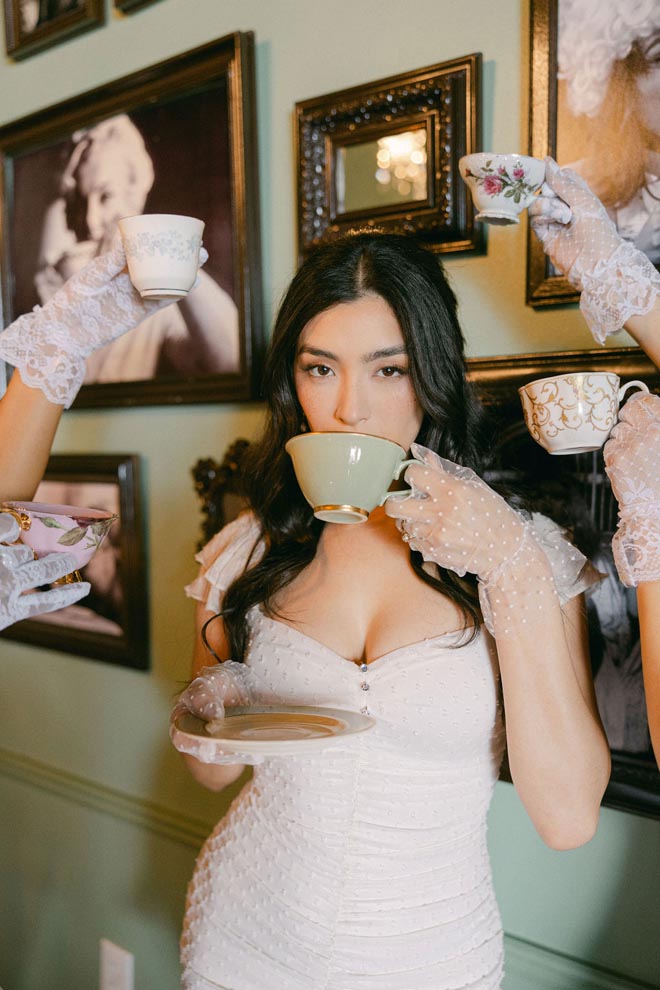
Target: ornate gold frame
{"points": [[444, 99]]}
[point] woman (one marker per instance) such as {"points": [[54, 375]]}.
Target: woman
{"points": [[48, 348], [109, 175], [366, 866], [619, 288]]}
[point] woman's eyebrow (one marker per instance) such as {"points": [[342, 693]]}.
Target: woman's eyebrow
{"points": [[385, 352], [317, 352]]}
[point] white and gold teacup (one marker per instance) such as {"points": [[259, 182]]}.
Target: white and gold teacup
{"points": [[574, 413], [344, 476]]}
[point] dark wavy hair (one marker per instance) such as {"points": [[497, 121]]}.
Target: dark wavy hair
{"points": [[412, 281]]}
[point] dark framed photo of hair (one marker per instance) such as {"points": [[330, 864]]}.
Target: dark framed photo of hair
{"points": [[595, 106], [178, 137]]}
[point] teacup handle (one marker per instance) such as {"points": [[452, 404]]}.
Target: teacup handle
{"points": [[635, 384], [395, 477]]}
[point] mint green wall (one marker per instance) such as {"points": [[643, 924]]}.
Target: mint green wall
{"points": [[98, 822]]}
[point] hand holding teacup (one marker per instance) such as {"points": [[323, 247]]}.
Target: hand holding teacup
{"points": [[46, 529], [574, 413]]}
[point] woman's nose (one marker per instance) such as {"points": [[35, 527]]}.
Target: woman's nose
{"points": [[352, 404]]}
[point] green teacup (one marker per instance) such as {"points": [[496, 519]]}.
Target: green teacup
{"points": [[344, 476]]}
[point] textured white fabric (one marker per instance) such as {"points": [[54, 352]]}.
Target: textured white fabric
{"points": [[366, 867], [615, 279], [20, 573], [95, 306], [632, 462]]}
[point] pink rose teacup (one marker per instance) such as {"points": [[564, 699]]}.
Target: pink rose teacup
{"points": [[502, 186]]}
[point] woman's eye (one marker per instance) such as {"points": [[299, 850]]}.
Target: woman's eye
{"points": [[319, 370], [392, 371]]}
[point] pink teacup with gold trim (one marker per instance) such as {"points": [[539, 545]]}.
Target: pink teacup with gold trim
{"points": [[70, 529]]}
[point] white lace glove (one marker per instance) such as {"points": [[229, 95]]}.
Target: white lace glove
{"points": [[615, 279], [94, 307], [455, 520], [632, 462], [20, 572], [223, 685]]}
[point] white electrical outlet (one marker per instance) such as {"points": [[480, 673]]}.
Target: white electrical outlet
{"points": [[117, 967]]}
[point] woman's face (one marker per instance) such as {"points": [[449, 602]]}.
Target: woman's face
{"points": [[351, 373], [106, 192]]}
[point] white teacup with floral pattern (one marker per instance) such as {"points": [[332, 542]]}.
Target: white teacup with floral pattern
{"points": [[575, 413], [162, 251], [502, 186]]}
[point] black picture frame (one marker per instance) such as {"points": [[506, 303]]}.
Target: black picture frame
{"points": [[129, 6], [575, 491], [31, 26], [554, 129], [112, 624], [444, 102], [195, 120]]}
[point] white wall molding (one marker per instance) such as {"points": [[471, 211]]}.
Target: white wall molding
{"points": [[126, 807], [533, 967]]}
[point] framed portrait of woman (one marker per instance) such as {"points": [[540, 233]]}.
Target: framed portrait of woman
{"points": [[595, 106], [179, 138], [32, 25]]}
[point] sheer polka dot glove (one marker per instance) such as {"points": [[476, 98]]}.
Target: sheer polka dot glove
{"points": [[93, 308], [223, 685], [455, 520], [20, 573], [632, 462], [615, 279]]}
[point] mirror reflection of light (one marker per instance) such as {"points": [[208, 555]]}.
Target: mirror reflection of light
{"points": [[401, 160]]}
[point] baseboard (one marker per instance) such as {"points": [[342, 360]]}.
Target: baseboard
{"points": [[126, 807], [529, 966]]}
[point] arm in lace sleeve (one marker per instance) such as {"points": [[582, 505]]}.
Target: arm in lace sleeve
{"points": [[223, 558], [573, 573]]}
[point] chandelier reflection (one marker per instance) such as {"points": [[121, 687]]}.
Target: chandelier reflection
{"points": [[401, 160]]}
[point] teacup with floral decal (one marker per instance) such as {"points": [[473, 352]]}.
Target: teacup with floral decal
{"points": [[502, 186], [69, 529], [162, 253], [574, 413]]}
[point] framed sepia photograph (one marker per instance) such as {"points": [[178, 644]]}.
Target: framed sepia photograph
{"points": [[32, 25], [385, 155], [595, 106], [178, 137], [112, 622], [575, 492]]}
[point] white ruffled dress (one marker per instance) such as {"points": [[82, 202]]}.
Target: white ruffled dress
{"points": [[364, 867]]}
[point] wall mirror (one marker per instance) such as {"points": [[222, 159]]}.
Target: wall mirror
{"points": [[385, 155]]}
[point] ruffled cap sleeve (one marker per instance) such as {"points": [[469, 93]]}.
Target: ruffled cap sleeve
{"points": [[224, 558]]}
